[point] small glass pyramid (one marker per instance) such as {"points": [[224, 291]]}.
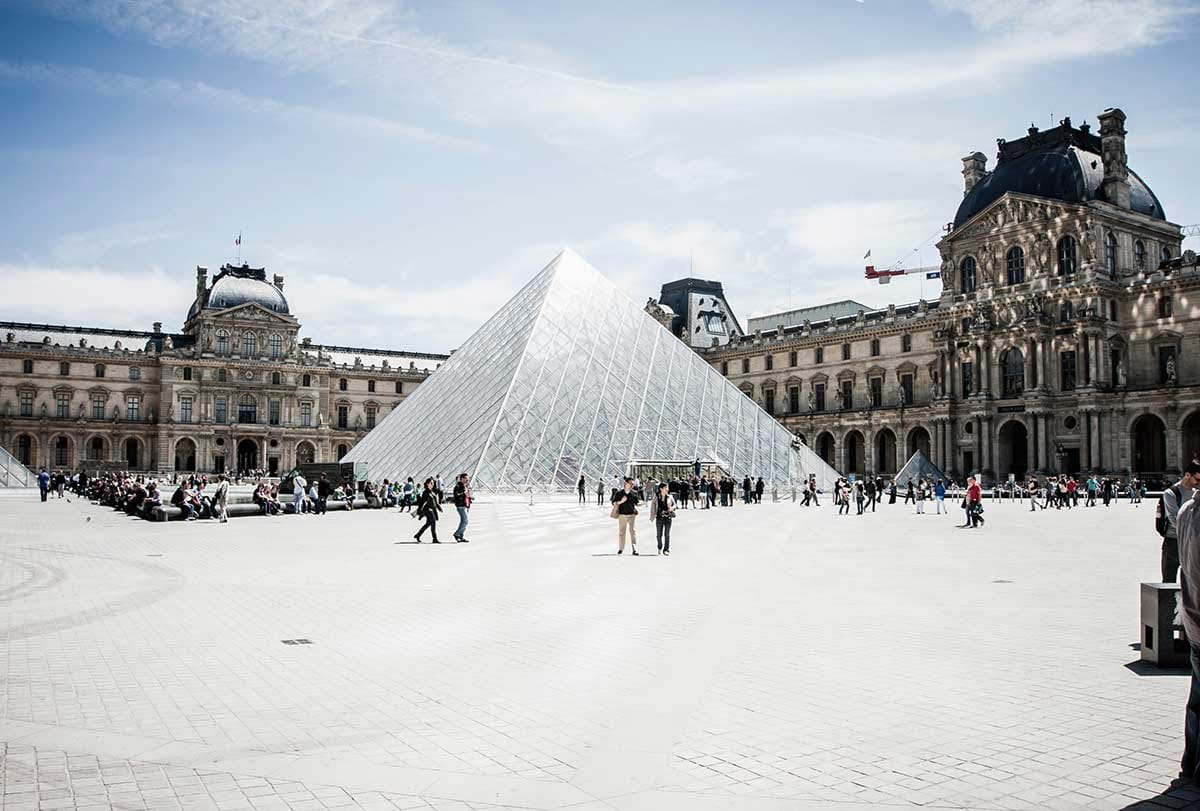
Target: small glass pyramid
{"points": [[572, 377]]}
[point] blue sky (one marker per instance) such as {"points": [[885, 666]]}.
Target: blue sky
{"points": [[407, 166]]}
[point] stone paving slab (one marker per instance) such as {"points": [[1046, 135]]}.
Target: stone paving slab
{"points": [[780, 658]]}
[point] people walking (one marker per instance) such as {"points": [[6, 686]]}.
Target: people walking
{"points": [[662, 513], [625, 509], [324, 489], [972, 503], [860, 497], [462, 503], [220, 499], [920, 498], [581, 487], [429, 504], [939, 498], [43, 480], [872, 494], [759, 488], [299, 484]]}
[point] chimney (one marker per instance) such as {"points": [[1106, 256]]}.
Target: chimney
{"points": [[279, 282], [1112, 153], [974, 170], [201, 281]]}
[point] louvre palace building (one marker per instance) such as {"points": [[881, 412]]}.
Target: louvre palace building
{"points": [[1065, 339], [235, 389]]}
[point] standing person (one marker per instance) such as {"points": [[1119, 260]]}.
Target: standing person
{"points": [[1106, 491], [909, 493], [462, 503], [626, 502], [581, 486], [872, 494], [746, 488], [1165, 519], [220, 499], [892, 492], [920, 498], [1033, 490], [299, 485], [43, 480], [408, 495], [696, 469], [323, 491], [1091, 492], [429, 504], [812, 489], [974, 503], [1072, 493], [939, 498], [843, 497], [1188, 526], [860, 497], [759, 488], [662, 513], [599, 492]]}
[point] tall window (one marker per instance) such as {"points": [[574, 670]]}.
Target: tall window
{"points": [[876, 387], [399, 387], [966, 275], [906, 343], [1012, 364], [1067, 256], [133, 408], [793, 399], [276, 343], [96, 449], [248, 409], [847, 394], [62, 405], [845, 351], [769, 360], [135, 373], [819, 355], [343, 416], [99, 370], [220, 410], [1110, 253], [25, 450], [1066, 312], [1165, 307], [1165, 253], [1015, 262], [793, 358], [187, 372], [819, 396], [906, 389], [27, 367], [249, 344], [768, 404], [306, 381], [725, 368], [222, 376], [1067, 373], [276, 378], [1139, 254], [1166, 359], [64, 369], [342, 384], [222, 343], [97, 406], [274, 407], [62, 452], [745, 366], [26, 404], [306, 414], [371, 386], [874, 347], [968, 378], [185, 409], [372, 411]]}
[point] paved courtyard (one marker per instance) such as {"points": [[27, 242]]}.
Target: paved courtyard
{"points": [[781, 658]]}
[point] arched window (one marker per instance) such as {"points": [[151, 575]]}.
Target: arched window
{"points": [[342, 384], [25, 450], [99, 370], [276, 343], [96, 449], [222, 343], [1139, 254], [1165, 254], [1110, 253], [249, 345], [966, 275], [1015, 259], [306, 381], [222, 376], [62, 452], [276, 378], [1012, 365], [248, 409], [1067, 256]]}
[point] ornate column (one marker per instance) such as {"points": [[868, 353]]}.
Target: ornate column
{"points": [[1086, 432], [1030, 365], [978, 382], [987, 444], [1045, 355]]}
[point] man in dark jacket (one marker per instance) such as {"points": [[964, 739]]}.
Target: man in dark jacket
{"points": [[462, 503], [323, 491]]}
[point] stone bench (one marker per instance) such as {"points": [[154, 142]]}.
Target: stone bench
{"points": [[246, 508]]}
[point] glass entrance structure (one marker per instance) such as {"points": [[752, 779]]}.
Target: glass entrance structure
{"points": [[571, 377]]}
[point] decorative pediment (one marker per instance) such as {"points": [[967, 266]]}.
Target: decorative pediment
{"points": [[251, 311], [769, 383], [846, 374], [906, 368], [793, 380], [1010, 210], [876, 371], [820, 377]]}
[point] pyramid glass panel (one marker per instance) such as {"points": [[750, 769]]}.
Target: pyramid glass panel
{"points": [[572, 377]]}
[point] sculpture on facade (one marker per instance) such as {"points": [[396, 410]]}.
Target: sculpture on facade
{"points": [[812, 402], [1171, 371], [1121, 373]]}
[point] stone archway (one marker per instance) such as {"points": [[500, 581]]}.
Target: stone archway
{"points": [[919, 440], [247, 456], [185, 456], [306, 454], [825, 448], [1012, 451], [1189, 438], [132, 453], [854, 453], [342, 450], [885, 451], [1148, 441], [61, 448], [96, 449]]}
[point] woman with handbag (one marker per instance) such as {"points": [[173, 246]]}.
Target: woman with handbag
{"points": [[662, 513], [428, 507], [624, 509]]}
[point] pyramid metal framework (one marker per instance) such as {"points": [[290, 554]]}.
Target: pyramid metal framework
{"points": [[919, 467], [572, 377]]}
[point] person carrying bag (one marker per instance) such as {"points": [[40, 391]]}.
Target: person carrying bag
{"points": [[662, 513]]}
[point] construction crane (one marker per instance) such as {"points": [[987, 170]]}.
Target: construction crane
{"points": [[1190, 230], [885, 276]]}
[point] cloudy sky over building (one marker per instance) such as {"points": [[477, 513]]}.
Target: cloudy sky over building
{"points": [[407, 166]]}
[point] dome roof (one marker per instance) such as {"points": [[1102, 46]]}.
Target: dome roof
{"points": [[1063, 163], [235, 286]]}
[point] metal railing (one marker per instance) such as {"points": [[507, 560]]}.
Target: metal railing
{"points": [[13, 473]]}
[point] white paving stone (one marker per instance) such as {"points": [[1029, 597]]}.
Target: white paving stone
{"points": [[780, 658]]}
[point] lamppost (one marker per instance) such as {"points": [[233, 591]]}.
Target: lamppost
{"points": [[1061, 453]]}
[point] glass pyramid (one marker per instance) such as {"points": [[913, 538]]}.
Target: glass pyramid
{"points": [[572, 377]]}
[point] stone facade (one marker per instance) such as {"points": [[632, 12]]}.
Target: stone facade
{"points": [[1065, 339], [236, 388]]}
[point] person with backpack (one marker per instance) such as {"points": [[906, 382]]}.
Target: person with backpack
{"points": [[1166, 515], [662, 513]]}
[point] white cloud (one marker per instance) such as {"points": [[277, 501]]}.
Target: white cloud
{"points": [[91, 296], [693, 174], [94, 244]]}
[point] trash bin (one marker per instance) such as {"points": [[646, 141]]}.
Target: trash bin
{"points": [[1163, 641]]}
